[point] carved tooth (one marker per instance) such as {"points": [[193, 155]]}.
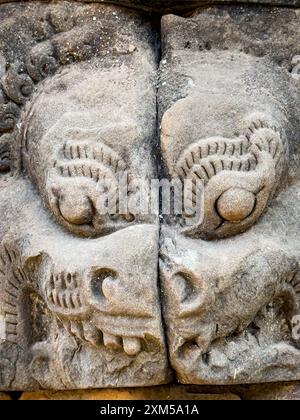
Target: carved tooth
{"points": [[75, 284], [132, 346], [69, 281], [91, 333], [64, 300], [111, 341], [63, 281], [76, 329], [54, 297], [78, 299], [68, 300]]}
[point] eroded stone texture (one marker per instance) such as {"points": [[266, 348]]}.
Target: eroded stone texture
{"points": [[229, 103], [78, 108]]}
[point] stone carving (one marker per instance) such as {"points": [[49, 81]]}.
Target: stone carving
{"points": [[296, 67], [240, 175], [82, 172], [224, 101], [72, 298], [209, 340], [95, 295]]}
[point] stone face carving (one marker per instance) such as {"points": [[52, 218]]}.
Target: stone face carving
{"points": [[76, 112], [230, 116], [95, 295], [75, 158]]}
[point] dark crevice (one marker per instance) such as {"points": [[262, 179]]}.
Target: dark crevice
{"points": [[188, 10], [179, 9], [15, 395], [160, 175]]}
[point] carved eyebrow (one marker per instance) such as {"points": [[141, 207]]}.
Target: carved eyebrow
{"points": [[100, 130]]}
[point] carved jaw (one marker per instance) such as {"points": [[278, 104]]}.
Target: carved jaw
{"points": [[226, 317], [82, 302], [98, 298]]}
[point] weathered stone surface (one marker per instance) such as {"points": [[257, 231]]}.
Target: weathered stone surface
{"points": [[90, 291], [78, 108], [169, 393], [166, 6], [229, 105]]}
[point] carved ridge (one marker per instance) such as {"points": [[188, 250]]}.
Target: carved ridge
{"points": [[260, 155]]}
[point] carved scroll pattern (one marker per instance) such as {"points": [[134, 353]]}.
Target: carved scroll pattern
{"points": [[85, 186], [21, 77], [240, 176]]}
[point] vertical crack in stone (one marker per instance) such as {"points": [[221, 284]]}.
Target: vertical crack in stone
{"points": [[161, 175]]}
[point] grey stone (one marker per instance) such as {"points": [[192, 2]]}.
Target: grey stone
{"points": [[231, 283], [79, 107]]}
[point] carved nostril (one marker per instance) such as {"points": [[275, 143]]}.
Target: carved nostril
{"points": [[236, 204], [76, 208], [102, 283]]}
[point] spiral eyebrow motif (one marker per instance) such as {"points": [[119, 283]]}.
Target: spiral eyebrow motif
{"points": [[243, 170]]}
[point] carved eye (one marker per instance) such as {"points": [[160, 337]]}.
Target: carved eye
{"points": [[239, 175], [236, 204], [76, 208]]}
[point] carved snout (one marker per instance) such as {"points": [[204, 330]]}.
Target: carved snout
{"points": [[85, 305]]}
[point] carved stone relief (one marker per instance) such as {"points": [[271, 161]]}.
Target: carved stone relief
{"points": [[116, 298], [229, 108], [77, 111]]}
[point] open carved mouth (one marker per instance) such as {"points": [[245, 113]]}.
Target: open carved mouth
{"points": [[83, 310], [263, 344], [99, 308], [204, 331]]}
